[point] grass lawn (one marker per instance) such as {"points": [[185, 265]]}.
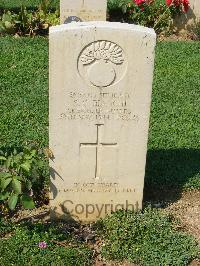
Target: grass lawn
{"points": [[174, 141], [24, 91]]}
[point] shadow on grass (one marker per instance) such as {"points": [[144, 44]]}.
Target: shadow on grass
{"points": [[168, 172]]}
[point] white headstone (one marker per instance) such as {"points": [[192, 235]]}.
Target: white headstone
{"points": [[100, 95], [85, 10]]}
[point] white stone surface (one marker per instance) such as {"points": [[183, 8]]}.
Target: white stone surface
{"points": [[86, 10], [195, 8], [100, 95]]}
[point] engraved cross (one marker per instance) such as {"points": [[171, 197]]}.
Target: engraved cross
{"points": [[98, 145]]}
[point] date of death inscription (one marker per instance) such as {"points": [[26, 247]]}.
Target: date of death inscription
{"points": [[92, 107], [97, 187]]}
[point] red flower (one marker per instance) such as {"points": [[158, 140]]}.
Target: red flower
{"points": [[168, 2], [177, 3], [139, 2], [186, 5]]}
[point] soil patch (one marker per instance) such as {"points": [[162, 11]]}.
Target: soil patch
{"points": [[187, 210]]}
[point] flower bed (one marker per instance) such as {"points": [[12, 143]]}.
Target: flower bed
{"points": [[157, 14]]}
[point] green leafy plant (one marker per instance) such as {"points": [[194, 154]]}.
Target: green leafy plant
{"points": [[17, 175], [45, 16], [45, 20], [7, 23], [27, 22], [22, 23], [44, 6]]}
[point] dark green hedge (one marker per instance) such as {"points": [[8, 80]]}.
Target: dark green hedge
{"points": [[30, 4]]}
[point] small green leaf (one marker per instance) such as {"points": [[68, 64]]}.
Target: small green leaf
{"points": [[5, 175], [7, 17], [25, 249], [3, 158], [27, 202], [26, 166], [4, 195], [17, 158], [33, 152], [8, 162], [18, 177], [5, 183], [30, 155], [12, 202], [17, 186]]}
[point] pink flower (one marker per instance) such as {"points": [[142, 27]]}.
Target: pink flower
{"points": [[42, 244]]}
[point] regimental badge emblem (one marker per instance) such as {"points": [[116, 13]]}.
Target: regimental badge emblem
{"points": [[102, 63]]}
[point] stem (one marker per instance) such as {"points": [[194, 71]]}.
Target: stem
{"points": [[159, 19]]}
